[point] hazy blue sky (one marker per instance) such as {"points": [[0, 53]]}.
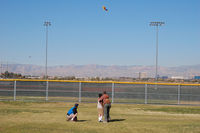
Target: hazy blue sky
{"points": [[82, 33]]}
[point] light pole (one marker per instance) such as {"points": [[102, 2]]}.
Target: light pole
{"points": [[156, 24], [1, 68], [46, 24]]}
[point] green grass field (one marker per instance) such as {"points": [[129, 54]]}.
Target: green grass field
{"points": [[41, 117]]}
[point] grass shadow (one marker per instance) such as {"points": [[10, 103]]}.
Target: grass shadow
{"points": [[115, 120], [81, 120]]}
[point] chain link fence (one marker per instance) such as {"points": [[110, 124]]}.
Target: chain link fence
{"points": [[87, 91]]}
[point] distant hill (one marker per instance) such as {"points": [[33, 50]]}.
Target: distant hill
{"points": [[104, 71]]}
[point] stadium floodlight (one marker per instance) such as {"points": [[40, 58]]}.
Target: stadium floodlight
{"points": [[157, 24], [46, 24]]}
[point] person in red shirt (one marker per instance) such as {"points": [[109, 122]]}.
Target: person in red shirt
{"points": [[107, 106]]}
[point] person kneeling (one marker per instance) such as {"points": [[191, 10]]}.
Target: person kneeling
{"points": [[72, 113]]}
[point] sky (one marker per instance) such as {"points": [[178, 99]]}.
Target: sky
{"points": [[82, 33]]}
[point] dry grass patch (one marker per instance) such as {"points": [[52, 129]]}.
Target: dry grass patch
{"points": [[43, 117]]}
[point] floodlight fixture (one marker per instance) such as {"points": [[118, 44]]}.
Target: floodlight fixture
{"points": [[157, 23]]}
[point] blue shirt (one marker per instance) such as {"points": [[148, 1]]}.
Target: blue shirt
{"points": [[73, 110]]}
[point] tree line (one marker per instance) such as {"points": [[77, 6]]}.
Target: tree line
{"points": [[7, 74]]}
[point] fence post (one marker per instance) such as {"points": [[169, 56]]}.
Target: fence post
{"points": [[47, 88], [179, 90], [15, 83], [113, 90], [79, 99], [145, 101]]}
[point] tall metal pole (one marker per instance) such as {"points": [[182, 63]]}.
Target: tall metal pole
{"points": [[156, 53], [156, 24], [46, 51], [1, 68], [7, 67], [47, 24]]}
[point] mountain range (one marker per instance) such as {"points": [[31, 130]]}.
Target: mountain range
{"points": [[93, 70]]}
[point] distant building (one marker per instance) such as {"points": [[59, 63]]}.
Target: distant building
{"points": [[125, 78], [142, 75], [32, 77], [196, 77], [177, 77], [164, 77]]}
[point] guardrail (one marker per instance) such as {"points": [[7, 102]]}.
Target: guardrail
{"points": [[87, 91]]}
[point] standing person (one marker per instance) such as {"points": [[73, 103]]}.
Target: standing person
{"points": [[72, 113], [107, 106], [100, 108]]}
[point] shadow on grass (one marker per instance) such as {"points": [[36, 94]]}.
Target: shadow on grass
{"points": [[81, 120], [115, 120]]}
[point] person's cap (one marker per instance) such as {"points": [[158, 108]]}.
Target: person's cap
{"points": [[76, 105]]}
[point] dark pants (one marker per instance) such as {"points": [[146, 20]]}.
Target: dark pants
{"points": [[107, 112]]}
